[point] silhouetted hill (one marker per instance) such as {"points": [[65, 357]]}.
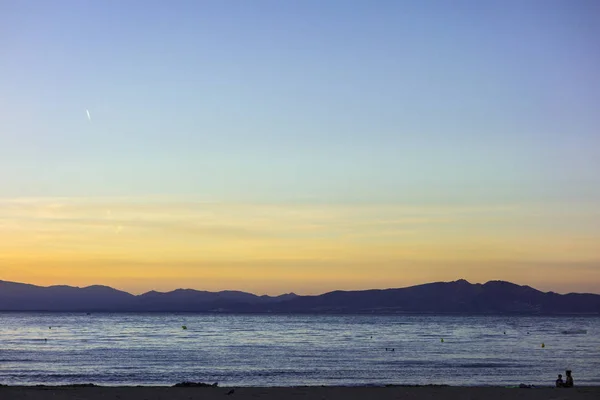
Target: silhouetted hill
{"points": [[23, 297], [194, 300], [496, 297], [462, 297]]}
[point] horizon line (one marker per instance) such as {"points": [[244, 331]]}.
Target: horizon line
{"points": [[292, 293]]}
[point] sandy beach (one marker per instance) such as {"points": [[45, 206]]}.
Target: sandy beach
{"points": [[317, 393]]}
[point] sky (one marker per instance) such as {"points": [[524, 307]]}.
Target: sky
{"points": [[305, 146]]}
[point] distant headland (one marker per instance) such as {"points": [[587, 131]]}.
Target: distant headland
{"points": [[456, 297]]}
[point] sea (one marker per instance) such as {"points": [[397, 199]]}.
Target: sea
{"points": [[296, 350]]}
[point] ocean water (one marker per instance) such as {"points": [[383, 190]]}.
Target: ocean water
{"points": [[282, 350]]}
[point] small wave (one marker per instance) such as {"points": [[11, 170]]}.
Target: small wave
{"points": [[15, 360], [484, 365], [574, 332]]}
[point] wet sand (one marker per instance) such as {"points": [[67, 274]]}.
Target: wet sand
{"points": [[317, 393]]}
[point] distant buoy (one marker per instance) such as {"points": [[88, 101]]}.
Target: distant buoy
{"points": [[442, 340], [543, 345], [184, 327], [505, 333]]}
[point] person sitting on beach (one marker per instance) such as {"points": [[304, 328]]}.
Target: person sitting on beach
{"points": [[569, 380], [559, 381]]}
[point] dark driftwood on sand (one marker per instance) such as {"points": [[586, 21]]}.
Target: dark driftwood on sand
{"points": [[195, 384]]}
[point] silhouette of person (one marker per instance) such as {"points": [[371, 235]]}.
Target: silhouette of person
{"points": [[559, 381], [569, 379]]}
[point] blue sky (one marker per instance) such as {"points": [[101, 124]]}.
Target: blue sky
{"points": [[306, 146], [285, 100]]}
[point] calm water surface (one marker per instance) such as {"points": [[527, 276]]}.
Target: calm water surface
{"points": [[259, 350]]}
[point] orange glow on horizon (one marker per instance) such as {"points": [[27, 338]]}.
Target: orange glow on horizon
{"points": [[143, 244]]}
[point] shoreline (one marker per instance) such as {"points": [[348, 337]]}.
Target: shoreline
{"points": [[216, 385], [408, 392], [204, 385]]}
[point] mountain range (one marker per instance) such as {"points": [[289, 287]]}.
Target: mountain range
{"points": [[457, 297]]}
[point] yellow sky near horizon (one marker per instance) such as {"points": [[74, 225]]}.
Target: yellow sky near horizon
{"points": [[140, 244]]}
